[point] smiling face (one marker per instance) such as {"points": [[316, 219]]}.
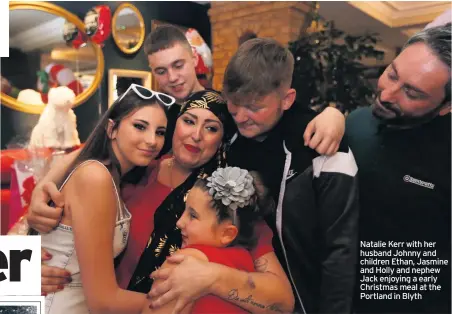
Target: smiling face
{"points": [[197, 137], [412, 89], [199, 223], [139, 137], [174, 70]]}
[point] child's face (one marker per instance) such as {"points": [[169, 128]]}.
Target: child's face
{"points": [[199, 224]]}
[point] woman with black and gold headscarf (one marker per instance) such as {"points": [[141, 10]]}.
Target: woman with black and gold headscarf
{"points": [[199, 143]]}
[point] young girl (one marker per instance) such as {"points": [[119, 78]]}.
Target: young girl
{"points": [[218, 226], [95, 223]]}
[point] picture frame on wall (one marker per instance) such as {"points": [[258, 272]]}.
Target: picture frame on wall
{"points": [[120, 79]]}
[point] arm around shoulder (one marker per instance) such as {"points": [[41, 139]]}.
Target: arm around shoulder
{"points": [[41, 216], [58, 170]]}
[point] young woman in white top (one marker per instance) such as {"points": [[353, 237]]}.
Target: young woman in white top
{"points": [[95, 223]]}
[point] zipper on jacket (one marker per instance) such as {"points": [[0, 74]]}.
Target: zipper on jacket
{"points": [[279, 218]]}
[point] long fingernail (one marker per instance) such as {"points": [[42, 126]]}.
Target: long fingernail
{"points": [[60, 287], [44, 294]]}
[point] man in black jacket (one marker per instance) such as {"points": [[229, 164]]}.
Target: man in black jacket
{"points": [[315, 223], [402, 145]]}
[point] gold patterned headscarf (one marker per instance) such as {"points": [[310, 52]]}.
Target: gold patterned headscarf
{"points": [[213, 101]]}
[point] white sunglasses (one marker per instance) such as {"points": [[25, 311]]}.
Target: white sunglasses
{"points": [[146, 93]]}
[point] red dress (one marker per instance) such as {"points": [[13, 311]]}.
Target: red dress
{"points": [[142, 200], [235, 257]]}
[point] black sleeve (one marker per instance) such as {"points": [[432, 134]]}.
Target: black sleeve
{"points": [[336, 187]]}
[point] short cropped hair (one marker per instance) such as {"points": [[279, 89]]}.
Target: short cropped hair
{"points": [[259, 67], [164, 37], [438, 39]]}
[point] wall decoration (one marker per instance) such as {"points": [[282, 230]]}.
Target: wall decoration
{"points": [[128, 28], [119, 81], [37, 44]]}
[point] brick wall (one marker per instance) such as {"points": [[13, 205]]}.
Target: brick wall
{"points": [[280, 20]]}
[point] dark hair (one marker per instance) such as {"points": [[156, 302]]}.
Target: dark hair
{"points": [[260, 204], [438, 39], [98, 145], [247, 35], [259, 67], [164, 37], [123, 83]]}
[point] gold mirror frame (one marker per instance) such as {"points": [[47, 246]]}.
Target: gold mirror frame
{"points": [[115, 34], [11, 102]]}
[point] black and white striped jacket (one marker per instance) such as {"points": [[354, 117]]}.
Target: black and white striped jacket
{"points": [[316, 220]]}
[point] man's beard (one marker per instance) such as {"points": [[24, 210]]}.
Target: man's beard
{"points": [[400, 120]]}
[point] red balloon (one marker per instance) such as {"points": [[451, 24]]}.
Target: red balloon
{"points": [[98, 23]]}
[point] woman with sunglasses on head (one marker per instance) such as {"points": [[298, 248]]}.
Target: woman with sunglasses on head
{"points": [[95, 223]]}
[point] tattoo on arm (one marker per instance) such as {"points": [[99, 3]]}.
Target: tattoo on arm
{"points": [[261, 264], [250, 282], [233, 295]]}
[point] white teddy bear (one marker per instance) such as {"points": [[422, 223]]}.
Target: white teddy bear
{"points": [[57, 125]]}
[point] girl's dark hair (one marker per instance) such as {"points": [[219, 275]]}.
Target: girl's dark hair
{"points": [[98, 145], [261, 203]]}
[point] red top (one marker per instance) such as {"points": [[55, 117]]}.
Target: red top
{"points": [[235, 257], [142, 200]]}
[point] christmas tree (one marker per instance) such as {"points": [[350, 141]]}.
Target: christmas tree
{"points": [[328, 71]]}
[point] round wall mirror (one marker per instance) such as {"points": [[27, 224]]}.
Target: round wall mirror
{"points": [[128, 28], [39, 57]]}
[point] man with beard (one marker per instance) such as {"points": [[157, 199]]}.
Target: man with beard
{"points": [[402, 145]]}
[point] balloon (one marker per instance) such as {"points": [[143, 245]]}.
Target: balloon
{"points": [[201, 51], [98, 23], [72, 35]]}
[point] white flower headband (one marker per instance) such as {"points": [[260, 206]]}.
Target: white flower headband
{"points": [[233, 186]]}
